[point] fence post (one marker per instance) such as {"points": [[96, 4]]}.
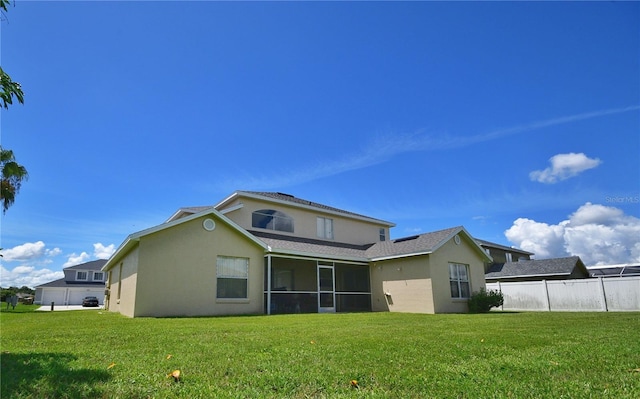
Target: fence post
{"points": [[546, 294], [52, 303], [604, 295]]}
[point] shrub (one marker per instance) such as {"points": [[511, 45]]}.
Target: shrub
{"points": [[483, 301]]}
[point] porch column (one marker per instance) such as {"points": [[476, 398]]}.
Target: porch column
{"points": [[268, 284]]}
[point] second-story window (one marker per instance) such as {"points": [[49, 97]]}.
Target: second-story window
{"points": [[272, 220], [98, 276], [325, 228], [383, 234], [81, 275]]}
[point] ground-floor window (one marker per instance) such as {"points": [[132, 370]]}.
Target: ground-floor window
{"points": [[232, 277], [459, 280]]}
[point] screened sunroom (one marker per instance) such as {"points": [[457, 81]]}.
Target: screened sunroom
{"points": [[304, 285]]}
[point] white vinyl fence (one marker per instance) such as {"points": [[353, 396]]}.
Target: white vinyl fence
{"points": [[616, 294]]}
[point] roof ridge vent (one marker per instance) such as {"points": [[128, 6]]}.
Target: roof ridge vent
{"points": [[406, 239]]}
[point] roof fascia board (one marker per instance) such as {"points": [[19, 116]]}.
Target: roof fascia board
{"points": [[490, 244], [135, 237], [238, 194], [231, 209], [323, 259], [469, 238], [390, 257], [527, 275], [314, 255]]}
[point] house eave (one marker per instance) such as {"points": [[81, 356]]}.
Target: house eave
{"points": [[526, 276], [134, 238], [316, 255], [399, 256], [239, 194]]}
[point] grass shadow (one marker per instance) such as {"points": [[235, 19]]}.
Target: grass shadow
{"points": [[48, 375]]}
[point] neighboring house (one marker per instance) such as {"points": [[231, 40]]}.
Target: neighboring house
{"points": [[621, 270], [536, 270], [79, 281], [270, 253], [503, 254]]}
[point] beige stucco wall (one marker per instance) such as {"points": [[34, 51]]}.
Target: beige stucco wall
{"points": [[420, 284], [305, 225], [177, 271], [125, 304], [408, 283], [451, 252]]}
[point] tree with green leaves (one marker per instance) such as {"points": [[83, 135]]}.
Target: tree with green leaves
{"points": [[12, 176], [12, 172]]}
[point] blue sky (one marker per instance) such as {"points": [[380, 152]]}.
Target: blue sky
{"points": [[520, 121]]}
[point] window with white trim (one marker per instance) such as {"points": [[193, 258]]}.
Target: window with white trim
{"points": [[80, 275], [459, 281], [508, 257], [232, 276], [325, 228], [98, 276], [272, 220], [383, 234]]}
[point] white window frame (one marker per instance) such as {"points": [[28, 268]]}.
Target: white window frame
{"points": [[238, 263], [278, 221], [79, 273], [101, 274], [324, 227], [383, 234], [508, 257], [460, 281]]}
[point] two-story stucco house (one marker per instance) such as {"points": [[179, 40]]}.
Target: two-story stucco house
{"points": [[273, 253], [86, 279]]}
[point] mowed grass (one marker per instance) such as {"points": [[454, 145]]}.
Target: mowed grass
{"points": [[97, 354]]}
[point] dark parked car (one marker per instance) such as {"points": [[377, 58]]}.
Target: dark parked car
{"points": [[90, 301]]}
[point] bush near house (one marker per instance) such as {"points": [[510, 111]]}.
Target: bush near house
{"points": [[483, 300]]}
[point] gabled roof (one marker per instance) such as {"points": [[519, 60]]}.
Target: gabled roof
{"points": [[132, 240], [93, 265], [290, 200], [292, 246], [62, 283], [485, 243], [186, 211], [536, 268], [420, 244]]}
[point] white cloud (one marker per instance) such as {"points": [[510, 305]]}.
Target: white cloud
{"points": [[53, 252], [598, 234], [26, 251], [27, 275], [103, 252], [384, 148], [564, 166], [75, 259]]}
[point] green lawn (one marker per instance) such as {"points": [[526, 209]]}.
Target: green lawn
{"points": [[97, 354]]}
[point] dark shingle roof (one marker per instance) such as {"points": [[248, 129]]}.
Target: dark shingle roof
{"points": [[300, 201], [543, 267], [410, 245], [93, 265], [423, 243], [62, 283], [486, 243]]}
